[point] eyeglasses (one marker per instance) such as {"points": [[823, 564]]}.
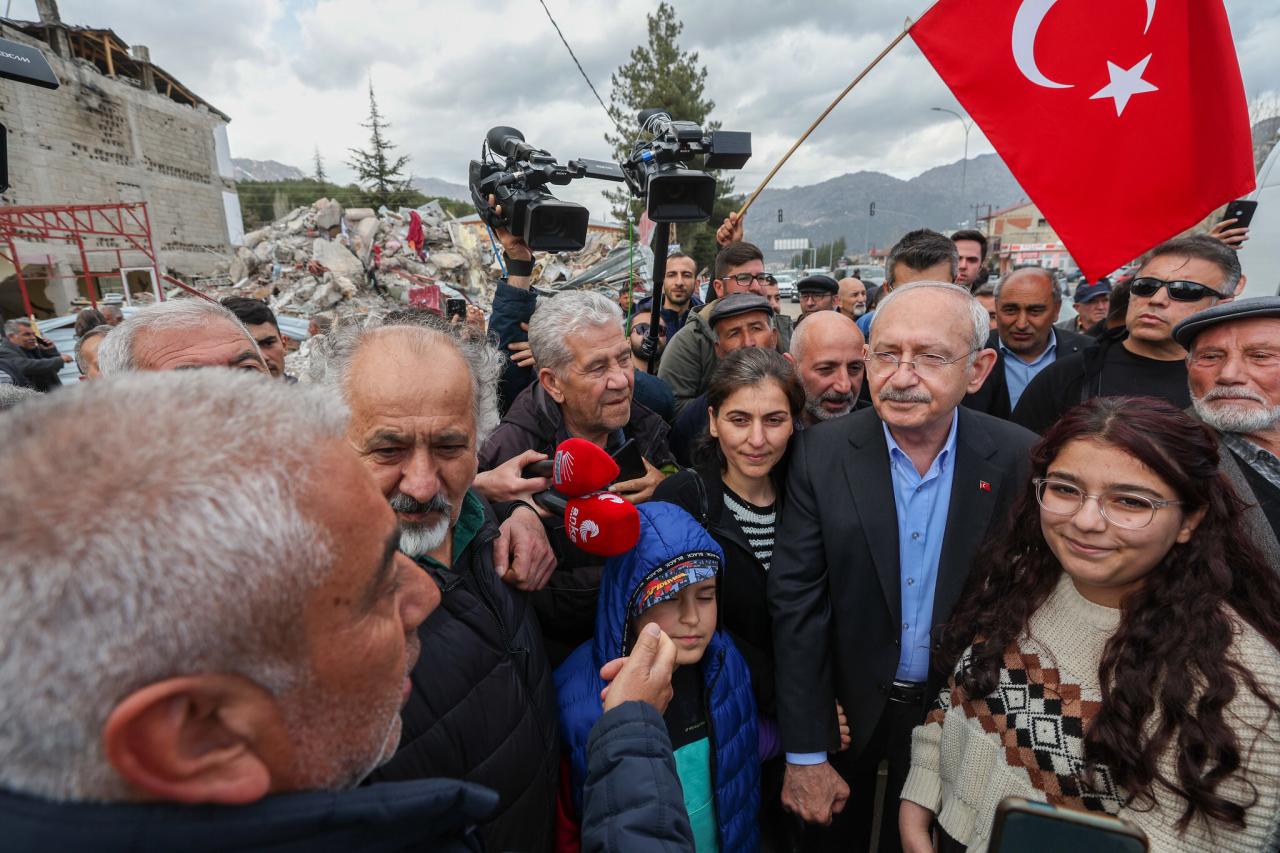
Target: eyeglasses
{"points": [[1123, 509], [1179, 291], [642, 329], [925, 365], [745, 278]]}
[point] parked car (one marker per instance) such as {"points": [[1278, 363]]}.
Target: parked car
{"points": [[786, 285]]}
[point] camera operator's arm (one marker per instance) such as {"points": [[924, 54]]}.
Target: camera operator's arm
{"points": [[513, 304]]}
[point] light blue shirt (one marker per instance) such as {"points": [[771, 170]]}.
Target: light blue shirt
{"points": [[1018, 373], [864, 324], [921, 504]]}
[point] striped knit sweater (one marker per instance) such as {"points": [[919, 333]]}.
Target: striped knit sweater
{"points": [[1025, 739], [757, 523]]}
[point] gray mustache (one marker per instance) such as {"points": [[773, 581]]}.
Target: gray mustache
{"points": [[904, 395], [438, 503]]}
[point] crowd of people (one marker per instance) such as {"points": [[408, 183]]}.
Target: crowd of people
{"points": [[924, 548]]}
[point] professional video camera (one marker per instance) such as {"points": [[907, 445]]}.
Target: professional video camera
{"points": [[656, 169], [517, 185], [23, 64]]}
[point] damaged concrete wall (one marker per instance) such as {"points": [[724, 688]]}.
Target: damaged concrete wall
{"points": [[102, 140]]}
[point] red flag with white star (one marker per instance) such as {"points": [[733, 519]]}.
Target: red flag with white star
{"points": [[1125, 122]]}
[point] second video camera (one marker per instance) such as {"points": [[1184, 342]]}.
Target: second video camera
{"points": [[657, 169]]}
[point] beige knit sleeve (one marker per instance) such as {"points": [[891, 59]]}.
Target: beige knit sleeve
{"points": [[1258, 731], [924, 781]]}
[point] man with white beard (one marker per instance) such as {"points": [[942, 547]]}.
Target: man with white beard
{"points": [[1233, 368], [423, 398]]}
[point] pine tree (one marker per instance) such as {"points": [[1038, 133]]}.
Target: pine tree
{"points": [[381, 177], [660, 74], [320, 176]]}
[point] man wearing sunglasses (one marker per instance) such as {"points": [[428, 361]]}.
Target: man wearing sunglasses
{"points": [[691, 353], [1175, 280]]}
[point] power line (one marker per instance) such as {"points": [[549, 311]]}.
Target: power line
{"points": [[579, 64]]}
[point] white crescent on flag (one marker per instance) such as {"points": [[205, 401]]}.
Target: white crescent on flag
{"points": [[1026, 26]]}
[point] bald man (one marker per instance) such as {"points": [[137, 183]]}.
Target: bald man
{"points": [[827, 350], [852, 298], [1027, 302]]}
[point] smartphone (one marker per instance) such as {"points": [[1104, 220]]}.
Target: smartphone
{"points": [[1023, 826], [455, 308], [630, 462], [1241, 210]]}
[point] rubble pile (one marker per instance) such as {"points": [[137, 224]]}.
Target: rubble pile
{"points": [[324, 257]]}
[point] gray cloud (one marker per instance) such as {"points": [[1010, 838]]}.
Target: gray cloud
{"points": [[292, 74]]}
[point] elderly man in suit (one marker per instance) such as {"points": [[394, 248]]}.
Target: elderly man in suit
{"points": [[1233, 369], [1025, 340], [885, 511]]}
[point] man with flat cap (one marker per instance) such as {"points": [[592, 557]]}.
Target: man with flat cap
{"points": [[817, 293], [1233, 368], [737, 321], [1091, 302]]}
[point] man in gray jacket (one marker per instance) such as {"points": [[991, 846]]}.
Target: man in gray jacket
{"points": [[1233, 369], [691, 353]]}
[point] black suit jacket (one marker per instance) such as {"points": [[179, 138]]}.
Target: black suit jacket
{"points": [[834, 583], [993, 396]]}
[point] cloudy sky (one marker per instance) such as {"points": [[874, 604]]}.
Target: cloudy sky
{"points": [[292, 74]]}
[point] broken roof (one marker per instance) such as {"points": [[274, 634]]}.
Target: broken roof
{"points": [[113, 58]]}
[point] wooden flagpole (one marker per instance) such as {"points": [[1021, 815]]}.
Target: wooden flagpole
{"points": [[847, 89]]}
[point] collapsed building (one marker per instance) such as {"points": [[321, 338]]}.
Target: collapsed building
{"points": [[119, 131]]}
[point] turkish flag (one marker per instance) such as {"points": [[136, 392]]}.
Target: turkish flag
{"points": [[1126, 122]]}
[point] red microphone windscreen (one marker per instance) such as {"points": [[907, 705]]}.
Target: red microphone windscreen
{"points": [[582, 468], [602, 524]]}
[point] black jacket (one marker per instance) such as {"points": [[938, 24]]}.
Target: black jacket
{"points": [[36, 368], [427, 815], [833, 588], [567, 606], [632, 801], [483, 706], [1065, 384], [744, 610], [993, 396]]}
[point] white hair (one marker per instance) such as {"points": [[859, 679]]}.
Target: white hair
{"points": [[116, 355], [559, 318], [980, 320], [190, 554], [333, 353]]}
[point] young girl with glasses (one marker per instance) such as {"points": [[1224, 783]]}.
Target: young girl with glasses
{"points": [[1119, 652]]}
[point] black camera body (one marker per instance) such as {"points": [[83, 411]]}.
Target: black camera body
{"points": [[659, 169], [518, 186]]}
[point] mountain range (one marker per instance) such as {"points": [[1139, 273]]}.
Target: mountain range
{"points": [[265, 170], [821, 212], [840, 207]]}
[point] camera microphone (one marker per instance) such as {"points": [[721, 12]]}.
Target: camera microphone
{"points": [[657, 115], [509, 141]]}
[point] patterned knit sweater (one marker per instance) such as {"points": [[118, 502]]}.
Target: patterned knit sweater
{"points": [[1026, 738]]}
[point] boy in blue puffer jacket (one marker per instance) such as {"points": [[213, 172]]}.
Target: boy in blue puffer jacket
{"points": [[669, 578]]}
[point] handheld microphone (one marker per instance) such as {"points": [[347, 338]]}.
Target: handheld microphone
{"points": [[601, 524], [579, 468]]}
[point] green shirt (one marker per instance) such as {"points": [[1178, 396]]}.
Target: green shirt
{"points": [[470, 520]]}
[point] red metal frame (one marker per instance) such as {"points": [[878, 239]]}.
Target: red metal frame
{"points": [[128, 224]]}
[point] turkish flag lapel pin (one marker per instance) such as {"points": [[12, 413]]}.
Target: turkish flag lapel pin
{"points": [[984, 485]]}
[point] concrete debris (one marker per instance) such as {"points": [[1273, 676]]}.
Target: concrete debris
{"points": [[324, 258]]}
